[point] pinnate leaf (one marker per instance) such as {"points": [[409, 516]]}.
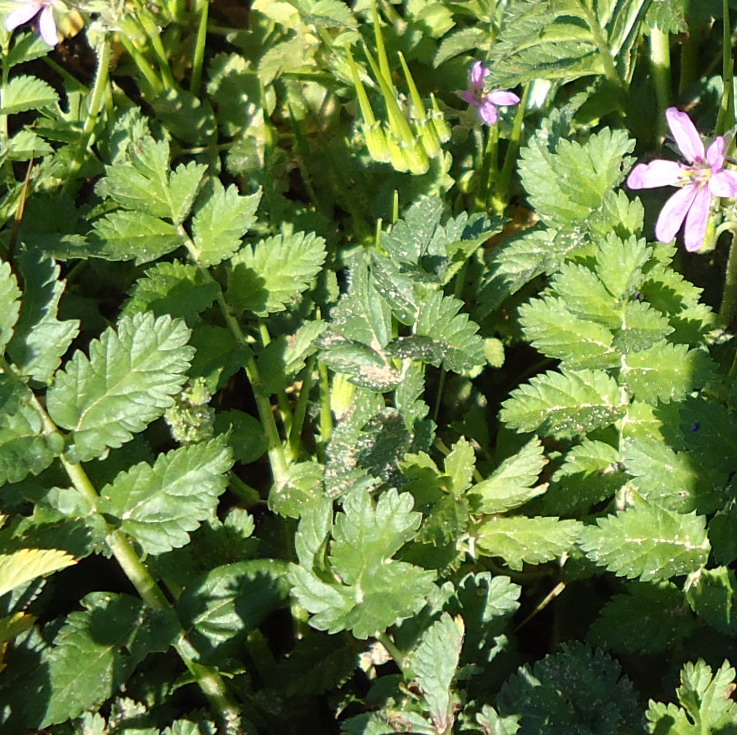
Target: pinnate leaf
{"points": [[375, 591], [267, 276], [160, 505], [128, 380], [648, 542], [221, 221], [129, 235], [9, 303], [27, 92], [705, 699], [564, 404], [513, 482], [521, 540]]}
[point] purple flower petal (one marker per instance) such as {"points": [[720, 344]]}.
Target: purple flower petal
{"points": [[47, 26], [715, 154], [467, 96], [478, 74], [685, 133], [656, 173], [674, 212], [502, 98], [696, 220], [489, 113], [724, 184], [21, 15]]}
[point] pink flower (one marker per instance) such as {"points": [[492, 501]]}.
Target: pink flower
{"points": [[705, 178], [487, 103], [27, 10]]}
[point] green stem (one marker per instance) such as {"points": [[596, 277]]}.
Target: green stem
{"points": [[610, 68], [199, 49], [501, 193], [725, 116], [660, 69], [152, 31], [300, 411], [489, 169], [155, 88], [729, 295], [277, 458], [208, 679], [326, 414], [399, 657]]}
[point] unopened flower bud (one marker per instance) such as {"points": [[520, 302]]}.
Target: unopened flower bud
{"points": [[429, 137], [376, 142]]}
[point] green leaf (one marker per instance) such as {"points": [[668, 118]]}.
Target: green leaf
{"points": [[267, 277], [672, 479], [566, 185], [144, 182], [127, 382], [584, 294], [156, 504], [225, 604], [590, 473], [649, 542], [619, 265], [663, 620], [27, 92], [244, 434], [513, 482], [40, 339], [458, 42], [96, 650], [458, 346], [565, 405], [553, 330], [25, 446], [706, 704], [577, 690], [179, 289], [302, 484], [521, 540], [23, 565], [711, 595], [665, 372], [9, 304], [459, 466], [138, 236], [220, 222], [434, 662], [374, 591]]}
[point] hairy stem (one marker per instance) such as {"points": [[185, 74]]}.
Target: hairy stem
{"points": [[660, 69]]}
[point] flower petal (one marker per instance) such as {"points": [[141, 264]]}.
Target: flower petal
{"points": [[656, 173], [696, 221], [478, 74], [724, 184], [674, 212], [489, 113], [47, 26], [685, 133], [468, 96], [715, 154], [502, 98], [21, 15]]}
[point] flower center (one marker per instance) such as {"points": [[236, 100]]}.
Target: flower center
{"points": [[699, 174]]}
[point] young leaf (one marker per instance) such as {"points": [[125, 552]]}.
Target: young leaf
{"points": [[25, 446], [374, 591], [512, 483], [619, 264], [221, 221], [9, 304], [585, 295], [267, 276], [459, 466], [144, 182], [434, 661], [156, 504], [648, 542], [711, 595], [521, 540], [127, 382], [564, 404], [23, 565], [40, 339], [706, 704]]}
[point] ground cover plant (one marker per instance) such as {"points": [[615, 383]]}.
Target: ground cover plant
{"points": [[368, 367]]}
